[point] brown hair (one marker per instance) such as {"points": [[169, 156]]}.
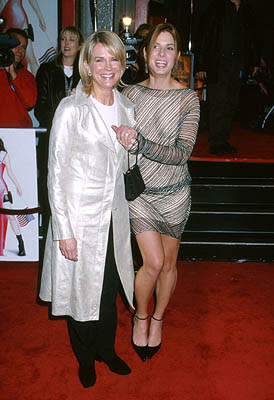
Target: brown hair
{"points": [[74, 30], [153, 35], [17, 31], [2, 146]]}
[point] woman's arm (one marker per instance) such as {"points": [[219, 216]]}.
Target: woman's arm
{"points": [[181, 151], [43, 109], [60, 144], [35, 6], [25, 88], [61, 136]]}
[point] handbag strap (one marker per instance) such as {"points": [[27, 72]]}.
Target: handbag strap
{"points": [[136, 155]]}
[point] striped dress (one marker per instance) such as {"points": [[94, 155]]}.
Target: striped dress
{"points": [[167, 123]]}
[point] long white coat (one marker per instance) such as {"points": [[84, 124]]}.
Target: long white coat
{"points": [[86, 188]]}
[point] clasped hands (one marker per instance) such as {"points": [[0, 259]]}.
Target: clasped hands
{"points": [[125, 135]]}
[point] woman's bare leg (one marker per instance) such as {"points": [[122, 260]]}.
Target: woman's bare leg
{"points": [[14, 225], [165, 286], [151, 248]]}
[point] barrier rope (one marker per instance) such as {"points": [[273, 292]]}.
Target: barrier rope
{"points": [[21, 211]]}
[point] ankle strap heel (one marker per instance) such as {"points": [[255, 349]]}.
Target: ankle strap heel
{"points": [[141, 319], [140, 350], [152, 350], [156, 319]]}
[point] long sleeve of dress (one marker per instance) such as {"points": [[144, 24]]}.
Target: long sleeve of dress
{"points": [[167, 124], [180, 151]]}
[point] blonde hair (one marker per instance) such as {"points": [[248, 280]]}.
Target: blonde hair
{"points": [[152, 37], [112, 43], [74, 30]]}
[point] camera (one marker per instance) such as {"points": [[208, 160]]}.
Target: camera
{"points": [[131, 44], [7, 42]]}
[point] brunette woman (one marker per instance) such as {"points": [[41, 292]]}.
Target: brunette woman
{"points": [[167, 117]]}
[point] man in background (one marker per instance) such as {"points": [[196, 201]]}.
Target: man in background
{"points": [[224, 50]]}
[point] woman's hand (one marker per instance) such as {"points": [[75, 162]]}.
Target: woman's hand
{"points": [[125, 135], [68, 248], [11, 70], [19, 191], [42, 24]]}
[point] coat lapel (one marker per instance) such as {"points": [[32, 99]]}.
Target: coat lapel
{"points": [[93, 120]]}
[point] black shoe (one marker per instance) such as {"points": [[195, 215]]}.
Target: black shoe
{"points": [[140, 350], [116, 365], [87, 375], [222, 149], [229, 148], [21, 247], [152, 350], [218, 150]]}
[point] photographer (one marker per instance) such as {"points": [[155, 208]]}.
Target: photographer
{"points": [[17, 86], [136, 68]]}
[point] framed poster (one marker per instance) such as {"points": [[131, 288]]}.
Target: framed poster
{"points": [[18, 191], [40, 20]]}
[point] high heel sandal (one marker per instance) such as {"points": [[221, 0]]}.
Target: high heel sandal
{"points": [[140, 350], [152, 350]]}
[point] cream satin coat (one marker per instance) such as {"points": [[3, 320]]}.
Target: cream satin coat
{"points": [[86, 187]]}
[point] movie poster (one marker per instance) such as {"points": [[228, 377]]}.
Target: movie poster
{"points": [[18, 191], [40, 20]]}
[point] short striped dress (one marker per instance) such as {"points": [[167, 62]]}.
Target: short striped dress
{"points": [[167, 123]]}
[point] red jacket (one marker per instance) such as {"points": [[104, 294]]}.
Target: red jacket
{"points": [[16, 98]]}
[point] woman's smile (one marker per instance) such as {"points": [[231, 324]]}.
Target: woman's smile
{"points": [[104, 67]]}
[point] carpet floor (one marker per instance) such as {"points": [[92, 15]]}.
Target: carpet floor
{"points": [[218, 340], [251, 146]]}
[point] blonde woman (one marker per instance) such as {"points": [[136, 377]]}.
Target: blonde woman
{"points": [[88, 253]]}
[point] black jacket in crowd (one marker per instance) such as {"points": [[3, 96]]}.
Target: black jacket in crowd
{"points": [[51, 89], [208, 45]]}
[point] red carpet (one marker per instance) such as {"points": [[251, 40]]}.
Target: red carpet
{"points": [[218, 341], [251, 146]]}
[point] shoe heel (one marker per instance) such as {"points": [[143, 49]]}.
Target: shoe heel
{"points": [[141, 351], [152, 350]]}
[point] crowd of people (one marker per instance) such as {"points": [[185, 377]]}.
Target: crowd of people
{"points": [[95, 122]]}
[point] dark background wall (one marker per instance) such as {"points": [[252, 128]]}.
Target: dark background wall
{"points": [[179, 13]]}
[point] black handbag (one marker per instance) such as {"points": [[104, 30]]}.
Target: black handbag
{"points": [[134, 184], [8, 197]]}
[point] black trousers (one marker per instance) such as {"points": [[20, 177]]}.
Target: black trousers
{"points": [[42, 164], [223, 98], [98, 337]]}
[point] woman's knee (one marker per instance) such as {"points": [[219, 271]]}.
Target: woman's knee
{"points": [[154, 266], [169, 267]]}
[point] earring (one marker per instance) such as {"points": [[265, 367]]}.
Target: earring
{"points": [[146, 68], [89, 74]]}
